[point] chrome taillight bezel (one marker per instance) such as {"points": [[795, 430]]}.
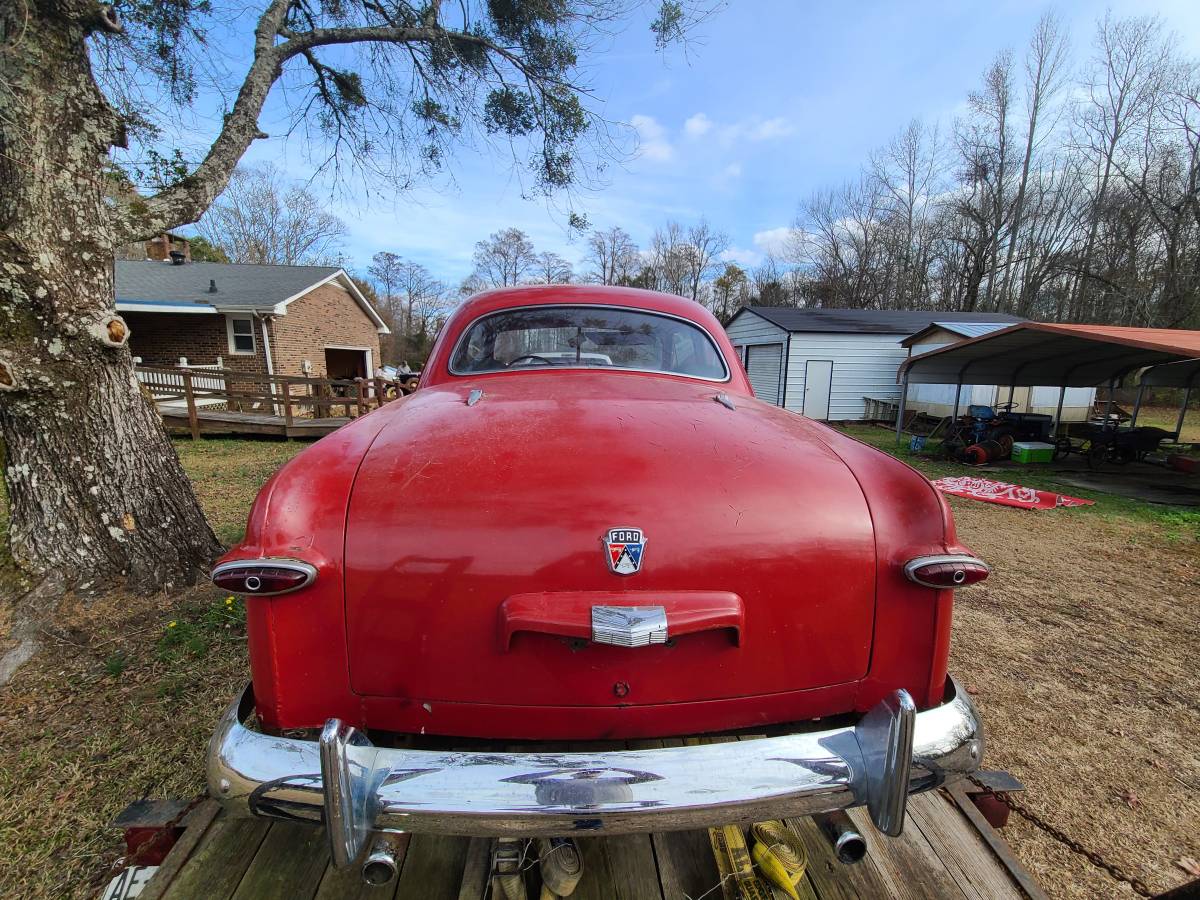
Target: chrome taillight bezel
{"points": [[292, 565], [911, 567]]}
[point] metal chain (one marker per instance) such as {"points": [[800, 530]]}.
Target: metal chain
{"points": [[1139, 887]]}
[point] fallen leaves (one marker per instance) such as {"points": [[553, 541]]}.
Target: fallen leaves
{"points": [[1190, 865], [1130, 799]]}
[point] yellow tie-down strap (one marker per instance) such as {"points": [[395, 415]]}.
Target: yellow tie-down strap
{"points": [[777, 858]]}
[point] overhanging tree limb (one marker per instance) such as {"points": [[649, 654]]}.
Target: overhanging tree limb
{"points": [[186, 201]]}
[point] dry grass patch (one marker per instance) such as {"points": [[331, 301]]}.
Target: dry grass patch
{"points": [[120, 703], [1082, 651]]}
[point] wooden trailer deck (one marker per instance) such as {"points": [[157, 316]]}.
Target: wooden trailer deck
{"points": [[947, 850]]}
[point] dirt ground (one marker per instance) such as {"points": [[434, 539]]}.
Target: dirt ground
{"points": [[1081, 652]]}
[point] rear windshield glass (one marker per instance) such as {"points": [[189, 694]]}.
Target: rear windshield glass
{"points": [[587, 337]]}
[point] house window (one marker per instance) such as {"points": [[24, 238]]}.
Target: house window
{"points": [[241, 335]]}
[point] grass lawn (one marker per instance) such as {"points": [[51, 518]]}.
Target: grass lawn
{"points": [[1176, 522], [1165, 417], [1080, 652], [121, 700]]}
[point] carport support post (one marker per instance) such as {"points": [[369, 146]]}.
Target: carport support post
{"points": [[1137, 405], [1112, 396], [903, 403], [1012, 389], [957, 394], [1187, 395], [1062, 395]]}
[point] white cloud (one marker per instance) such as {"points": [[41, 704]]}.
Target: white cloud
{"points": [[773, 240], [733, 170], [754, 130], [747, 259], [771, 128], [698, 125], [652, 139]]}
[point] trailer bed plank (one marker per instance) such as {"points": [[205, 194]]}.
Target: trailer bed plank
{"points": [[219, 861], [945, 853], [964, 852], [433, 868], [289, 863], [910, 867]]}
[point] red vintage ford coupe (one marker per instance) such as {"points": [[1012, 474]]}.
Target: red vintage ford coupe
{"points": [[584, 526]]}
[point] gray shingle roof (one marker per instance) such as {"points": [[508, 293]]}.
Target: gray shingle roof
{"points": [[972, 329], [870, 321], [238, 286]]}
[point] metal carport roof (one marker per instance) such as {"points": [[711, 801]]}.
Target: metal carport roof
{"points": [[1185, 374], [1041, 353]]}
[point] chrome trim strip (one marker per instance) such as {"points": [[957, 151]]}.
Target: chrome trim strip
{"points": [[554, 794], [910, 567], [708, 334], [295, 565]]}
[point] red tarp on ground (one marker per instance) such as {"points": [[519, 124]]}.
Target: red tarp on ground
{"points": [[1005, 494]]}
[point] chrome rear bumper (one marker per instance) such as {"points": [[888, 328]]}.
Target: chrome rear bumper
{"points": [[356, 788]]}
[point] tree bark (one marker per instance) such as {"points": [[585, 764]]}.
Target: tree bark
{"points": [[95, 488]]}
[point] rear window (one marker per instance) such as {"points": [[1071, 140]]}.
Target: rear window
{"points": [[544, 337]]}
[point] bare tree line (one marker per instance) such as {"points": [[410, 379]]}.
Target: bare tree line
{"points": [[263, 218], [680, 260], [1058, 195], [411, 301]]}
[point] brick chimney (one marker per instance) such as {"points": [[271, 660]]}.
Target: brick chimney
{"points": [[162, 247]]}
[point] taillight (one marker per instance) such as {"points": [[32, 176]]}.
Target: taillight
{"points": [[946, 571], [263, 577]]}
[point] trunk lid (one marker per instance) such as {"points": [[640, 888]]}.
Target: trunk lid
{"points": [[457, 508]]}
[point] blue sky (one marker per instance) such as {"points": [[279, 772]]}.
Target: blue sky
{"points": [[774, 99]]}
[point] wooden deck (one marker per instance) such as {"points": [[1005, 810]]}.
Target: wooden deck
{"points": [[221, 401], [947, 851], [213, 422]]}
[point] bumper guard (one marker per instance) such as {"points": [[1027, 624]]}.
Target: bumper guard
{"points": [[357, 789]]}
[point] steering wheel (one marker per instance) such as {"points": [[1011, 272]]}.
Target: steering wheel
{"points": [[516, 359]]}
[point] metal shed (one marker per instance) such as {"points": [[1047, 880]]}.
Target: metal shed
{"points": [[824, 363], [1041, 353]]}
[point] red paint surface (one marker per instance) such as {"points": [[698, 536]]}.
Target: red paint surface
{"points": [[425, 517]]}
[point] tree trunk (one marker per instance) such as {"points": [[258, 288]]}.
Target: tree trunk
{"points": [[95, 488]]}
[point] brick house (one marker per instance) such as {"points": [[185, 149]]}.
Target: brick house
{"points": [[255, 319]]}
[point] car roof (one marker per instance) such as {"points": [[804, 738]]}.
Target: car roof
{"points": [[584, 294]]}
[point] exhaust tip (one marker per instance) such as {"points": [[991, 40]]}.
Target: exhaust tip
{"points": [[380, 866], [850, 847]]}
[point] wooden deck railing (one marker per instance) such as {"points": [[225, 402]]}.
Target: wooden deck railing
{"points": [[285, 396]]}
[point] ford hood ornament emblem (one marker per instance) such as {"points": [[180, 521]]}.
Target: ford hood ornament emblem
{"points": [[624, 548]]}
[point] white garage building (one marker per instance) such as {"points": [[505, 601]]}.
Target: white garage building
{"points": [[825, 362]]}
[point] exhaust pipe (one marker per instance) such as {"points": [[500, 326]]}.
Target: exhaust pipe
{"points": [[844, 838], [380, 865]]}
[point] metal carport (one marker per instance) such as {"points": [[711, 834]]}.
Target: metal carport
{"points": [[1042, 353]]}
